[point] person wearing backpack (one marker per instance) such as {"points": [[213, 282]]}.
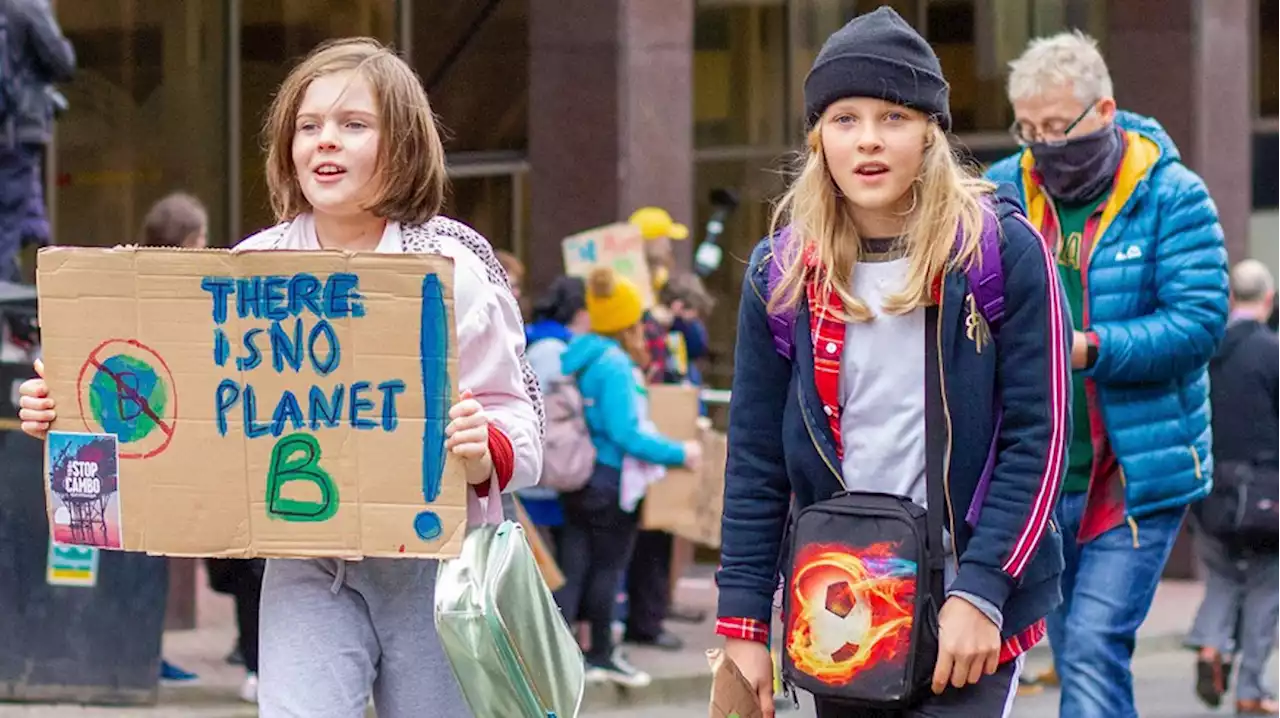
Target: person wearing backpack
{"points": [[34, 54], [600, 517], [558, 316], [902, 338], [1235, 527]]}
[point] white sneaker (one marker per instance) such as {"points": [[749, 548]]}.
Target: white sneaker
{"points": [[249, 689], [617, 670]]}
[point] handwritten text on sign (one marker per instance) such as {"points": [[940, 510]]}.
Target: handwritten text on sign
{"points": [[265, 403], [300, 337]]}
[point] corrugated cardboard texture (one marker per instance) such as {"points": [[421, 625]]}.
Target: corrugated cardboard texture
{"points": [[686, 504], [130, 348]]}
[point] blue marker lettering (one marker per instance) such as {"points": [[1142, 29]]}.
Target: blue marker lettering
{"points": [[225, 398], [284, 349], [254, 357], [323, 328], [221, 347], [340, 296], [329, 414], [252, 427], [275, 298], [389, 390], [219, 289], [304, 290], [249, 297], [287, 409], [433, 348], [358, 405]]}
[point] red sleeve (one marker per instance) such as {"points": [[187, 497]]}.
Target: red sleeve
{"points": [[504, 460], [746, 629]]}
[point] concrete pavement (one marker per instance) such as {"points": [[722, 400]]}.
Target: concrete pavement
{"points": [[1163, 686], [681, 678]]}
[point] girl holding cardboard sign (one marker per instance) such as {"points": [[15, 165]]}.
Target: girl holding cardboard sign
{"points": [[355, 163]]}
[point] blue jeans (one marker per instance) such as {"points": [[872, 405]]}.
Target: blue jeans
{"points": [[1107, 588]]}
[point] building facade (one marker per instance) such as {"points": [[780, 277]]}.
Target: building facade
{"points": [[565, 114]]}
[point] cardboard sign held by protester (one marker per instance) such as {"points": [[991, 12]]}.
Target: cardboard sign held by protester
{"points": [[254, 404], [618, 246], [686, 504]]}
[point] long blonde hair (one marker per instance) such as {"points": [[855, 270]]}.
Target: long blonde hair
{"points": [[946, 196]]}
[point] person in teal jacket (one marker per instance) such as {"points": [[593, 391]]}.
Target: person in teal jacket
{"points": [[1144, 269], [600, 526]]}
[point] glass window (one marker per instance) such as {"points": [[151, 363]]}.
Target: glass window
{"points": [[486, 203], [974, 41], [739, 73], [147, 116], [756, 182], [473, 58], [1268, 34], [275, 34]]}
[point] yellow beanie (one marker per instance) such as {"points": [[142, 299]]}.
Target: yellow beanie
{"points": [[655, 222], [613, 301]]}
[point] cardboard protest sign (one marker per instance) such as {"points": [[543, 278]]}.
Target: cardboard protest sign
{"points": [[619, 246], [684, 503], [280, 404]]}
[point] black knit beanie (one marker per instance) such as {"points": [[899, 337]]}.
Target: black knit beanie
{"points": [[877, 55]]}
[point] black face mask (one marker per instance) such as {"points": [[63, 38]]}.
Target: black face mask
{"points": [[1081, 169]]}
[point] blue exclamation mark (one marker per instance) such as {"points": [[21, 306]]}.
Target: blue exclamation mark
{"points": [[433, 353]]}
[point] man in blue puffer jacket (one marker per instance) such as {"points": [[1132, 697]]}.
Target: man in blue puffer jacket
{"points": [[1144, 269]]}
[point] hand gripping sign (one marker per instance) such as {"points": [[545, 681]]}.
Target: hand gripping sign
{"points": [[252, 404]]}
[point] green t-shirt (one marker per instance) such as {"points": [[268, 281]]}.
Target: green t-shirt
{"points": [[1072, 220]]}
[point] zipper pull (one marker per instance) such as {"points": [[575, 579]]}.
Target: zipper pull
{"points": [[789, 691]]}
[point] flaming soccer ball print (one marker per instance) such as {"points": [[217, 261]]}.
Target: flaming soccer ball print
{"points": [[852, 610]]}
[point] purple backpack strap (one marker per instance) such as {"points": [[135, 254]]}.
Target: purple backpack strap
{"points": [[986, 284], [986, 277], [781, 324]]}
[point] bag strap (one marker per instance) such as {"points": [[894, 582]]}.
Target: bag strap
{"points": [[986, 277], [491, 511], [935, 429], [782, 324], [986, 283]]}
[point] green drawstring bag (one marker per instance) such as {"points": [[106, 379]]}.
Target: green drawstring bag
{"points": [[508, 644]]}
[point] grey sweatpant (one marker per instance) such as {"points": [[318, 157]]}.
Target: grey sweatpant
{"points": [[1240, 610], [334, 633]]}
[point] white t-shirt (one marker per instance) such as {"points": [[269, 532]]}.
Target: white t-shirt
{"points": [[882, 390]]}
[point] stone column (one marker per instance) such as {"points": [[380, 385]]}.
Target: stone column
{"points": [[1189, 64], [610, 117]]}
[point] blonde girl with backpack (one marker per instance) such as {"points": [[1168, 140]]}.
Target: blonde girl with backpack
{"points": [[866, 363], [354, 162]]}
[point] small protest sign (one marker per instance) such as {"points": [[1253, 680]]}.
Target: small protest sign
{"points": [[687, 504], [263, 403], [84, 495], [618, 246]]}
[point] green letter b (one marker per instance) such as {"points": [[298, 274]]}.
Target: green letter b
{"points": [[286, 468]]}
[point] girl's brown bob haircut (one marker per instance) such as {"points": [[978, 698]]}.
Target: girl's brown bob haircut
{"points": [[411, 171]]}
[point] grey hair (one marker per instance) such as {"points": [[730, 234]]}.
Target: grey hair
{"points": [[1068, 58], [1251, 281]]}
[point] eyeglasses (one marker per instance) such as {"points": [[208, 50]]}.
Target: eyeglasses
{"points": [[1025, 136]]}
